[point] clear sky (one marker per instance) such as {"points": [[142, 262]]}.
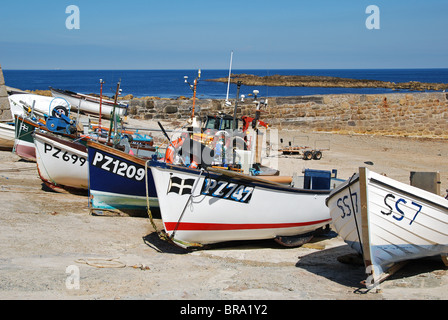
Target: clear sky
{"points": [[264, 34]]}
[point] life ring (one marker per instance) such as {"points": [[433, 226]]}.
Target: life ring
{"points": [[171, 150], [194, 165]]}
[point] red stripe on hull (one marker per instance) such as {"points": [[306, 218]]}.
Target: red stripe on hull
{"points": [[192, 226]]}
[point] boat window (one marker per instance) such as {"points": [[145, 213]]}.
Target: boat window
{"points": [[227, 124], [211, 123]]}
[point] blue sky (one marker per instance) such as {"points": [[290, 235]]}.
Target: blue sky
{"points": [[288, 34]]}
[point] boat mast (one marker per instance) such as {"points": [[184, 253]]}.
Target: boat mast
{"points": [[101, 101], [228, 83], [194, 93], [113, 111], [193, 87]]}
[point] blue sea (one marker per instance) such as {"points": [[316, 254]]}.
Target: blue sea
{"points": [[171, 84]]}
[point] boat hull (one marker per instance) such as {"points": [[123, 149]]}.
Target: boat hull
{"points": [[24, 139], [62, 163], [42, 104], [89, 104], [236, 207], [117, 182], [393, 222]]}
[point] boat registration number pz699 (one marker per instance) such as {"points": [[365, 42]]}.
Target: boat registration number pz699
{"points": [[67, 157], [227, 190], [118, 167]]}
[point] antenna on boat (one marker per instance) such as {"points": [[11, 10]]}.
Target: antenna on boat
{"points": [[101, 102], [228, 83], [193, 87]]}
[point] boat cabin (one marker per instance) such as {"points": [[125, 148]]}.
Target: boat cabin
{"points": [[219, 122]]}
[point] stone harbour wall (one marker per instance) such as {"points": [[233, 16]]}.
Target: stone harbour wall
{"points": [[397, 114], [5, 111]]}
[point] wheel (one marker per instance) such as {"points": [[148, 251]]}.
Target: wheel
{"points": [[57, 111], [307, 155], [317, 155]]}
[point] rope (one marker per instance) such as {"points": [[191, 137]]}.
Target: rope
{"points": [[110, 263], [186, 204], [161, 234], [102, 263]]}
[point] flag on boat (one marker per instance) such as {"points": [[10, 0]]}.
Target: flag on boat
{"points": [[180, 186]]}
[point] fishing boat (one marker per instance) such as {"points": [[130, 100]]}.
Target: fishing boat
{"points": [[118, 183], [388, 222], [7, 131], [91, 105], [61, 162], [24, 104], [24, 139], [211, 205]]}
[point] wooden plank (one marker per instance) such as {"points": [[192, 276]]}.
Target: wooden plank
{"points": [[365, 238]]}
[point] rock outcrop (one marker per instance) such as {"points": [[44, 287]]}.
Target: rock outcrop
{"points": [[328, 82]]}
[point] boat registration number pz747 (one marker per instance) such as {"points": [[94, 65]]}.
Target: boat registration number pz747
{"points": [[118, 167], [227, 190], [67, 157]]}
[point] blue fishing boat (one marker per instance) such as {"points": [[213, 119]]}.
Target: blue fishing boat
{"points": [[119, 183]]}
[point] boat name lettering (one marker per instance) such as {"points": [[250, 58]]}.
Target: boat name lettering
{"points": [[227, 190], [67, 157], [346, 205], [400, 205], [118, 167]]}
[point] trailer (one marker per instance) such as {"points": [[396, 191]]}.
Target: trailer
{"points": [[307, 152]]}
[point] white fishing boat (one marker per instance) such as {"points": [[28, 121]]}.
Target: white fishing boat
{"points": [[89, 104], [61, 162], [7, 135], [200, 207], [24, 104], [388, 222]]}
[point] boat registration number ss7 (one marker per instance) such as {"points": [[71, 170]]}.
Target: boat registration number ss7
{"points": [[227, 190], [65, 156], [401, 206]]}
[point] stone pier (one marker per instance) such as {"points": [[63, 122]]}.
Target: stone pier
{"points": [[417, 114], [5, 110]]}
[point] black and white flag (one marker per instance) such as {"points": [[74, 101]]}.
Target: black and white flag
{"points": [[180, 186]]}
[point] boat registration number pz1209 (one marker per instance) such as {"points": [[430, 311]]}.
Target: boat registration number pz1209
{"points": [[118, 167], [227, 190]]}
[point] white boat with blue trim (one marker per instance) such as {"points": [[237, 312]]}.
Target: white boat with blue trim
{"points": [[388, 222]]}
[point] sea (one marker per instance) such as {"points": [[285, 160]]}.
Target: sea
{"points": [[172, 83]]}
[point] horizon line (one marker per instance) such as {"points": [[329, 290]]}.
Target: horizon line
{"points": [[188, 69]]}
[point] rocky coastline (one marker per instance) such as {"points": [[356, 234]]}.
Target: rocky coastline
{"points": [[328, 82]]}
